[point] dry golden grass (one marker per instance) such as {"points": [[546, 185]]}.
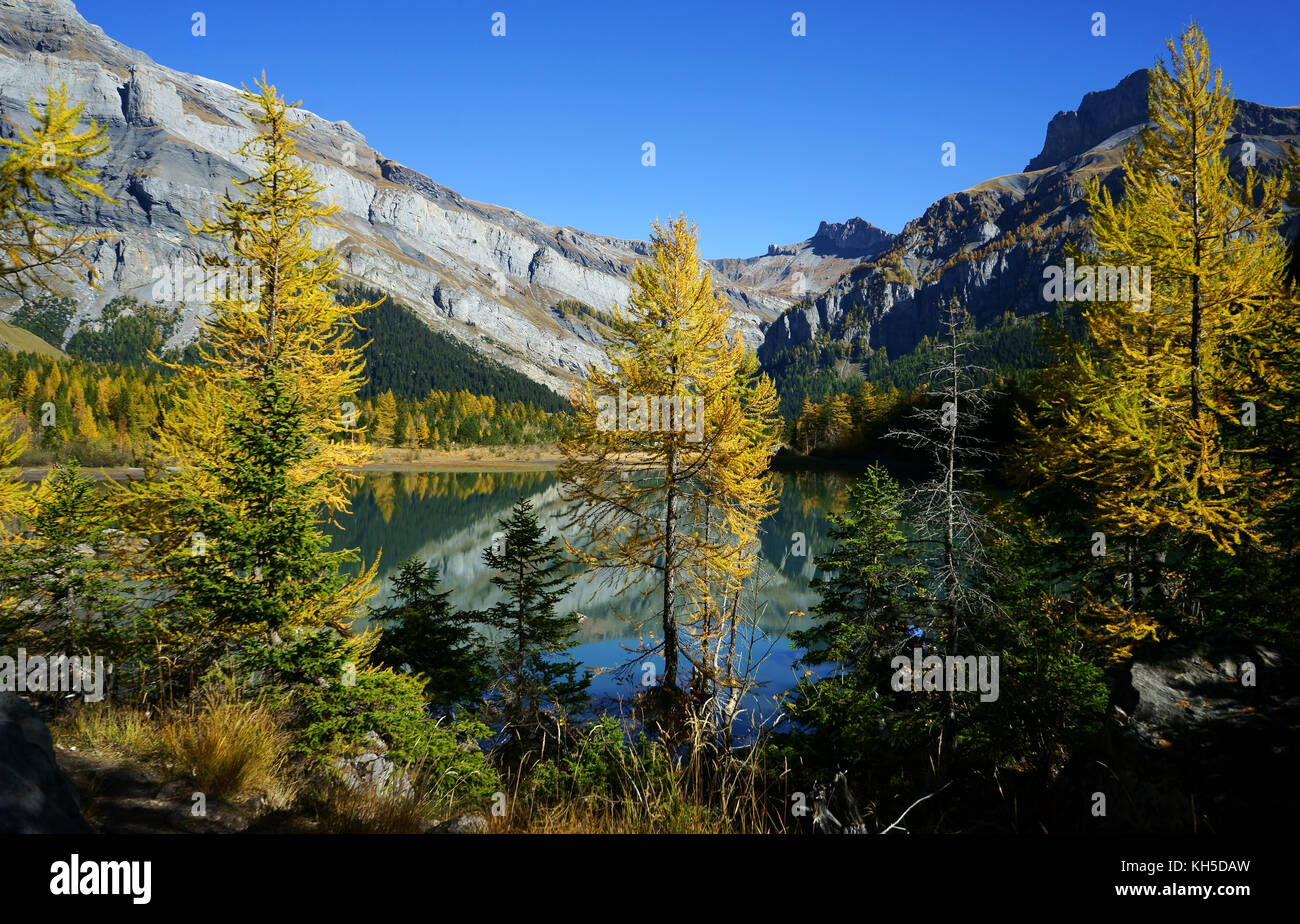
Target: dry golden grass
{"points": [[394, 809], [228, 747], [112, 729]]}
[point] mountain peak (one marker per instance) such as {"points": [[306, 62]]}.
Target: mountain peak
{"points": [[854, 237], [42, 26], [1100, 115]]}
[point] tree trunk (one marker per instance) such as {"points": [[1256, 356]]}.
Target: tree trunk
{"points": [[519, 640], [670, 567], [948, 738]]}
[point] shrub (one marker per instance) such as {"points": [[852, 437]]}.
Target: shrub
{"points": [[600, 763], [332, 700], [335, 719]]}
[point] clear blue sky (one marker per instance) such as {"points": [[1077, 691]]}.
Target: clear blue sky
{"points": [[759, 135]]}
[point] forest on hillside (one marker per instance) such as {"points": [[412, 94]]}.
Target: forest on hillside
{"points": [[101, 403]]}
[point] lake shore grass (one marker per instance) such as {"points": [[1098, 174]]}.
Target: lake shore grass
{"points": [[138, 769], [468, 458], [386, 459]]}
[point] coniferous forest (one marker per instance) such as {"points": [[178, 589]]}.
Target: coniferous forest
{"points": [[1056, 592]]}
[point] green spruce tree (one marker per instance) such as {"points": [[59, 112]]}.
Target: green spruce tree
{"points": [[871, 592], [423, 632], [59, 592], [531, 574]]}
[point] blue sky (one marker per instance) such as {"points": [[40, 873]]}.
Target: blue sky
{"points": [[758, 134]]}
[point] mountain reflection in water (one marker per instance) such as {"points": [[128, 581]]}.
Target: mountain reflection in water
{"points": [[448, 518]]}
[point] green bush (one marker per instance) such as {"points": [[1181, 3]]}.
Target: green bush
{"points": [[600, 763], [332, 702]]}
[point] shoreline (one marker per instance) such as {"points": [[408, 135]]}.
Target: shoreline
{"points": [[34, 474], [469, 459]]}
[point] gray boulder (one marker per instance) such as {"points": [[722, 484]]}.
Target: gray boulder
{"points": [[372, 770], [1203, 738], [1198, 693], [35, 795], [468, 823]]}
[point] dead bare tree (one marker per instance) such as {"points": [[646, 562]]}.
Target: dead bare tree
{"points": [[946, 512]]}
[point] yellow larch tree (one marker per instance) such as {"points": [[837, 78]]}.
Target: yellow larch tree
{"points": [[253, 431], [52, 158], [1143, 412], [666, 464]]}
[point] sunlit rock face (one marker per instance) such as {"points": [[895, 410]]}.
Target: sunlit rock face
{"points": [[487, 275]]}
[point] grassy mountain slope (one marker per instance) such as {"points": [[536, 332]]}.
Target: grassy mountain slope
{"points": [[16, 340]]}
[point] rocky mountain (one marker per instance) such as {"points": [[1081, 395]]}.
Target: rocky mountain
{"points": [[492, 277], [987, 246], [1099, 116], [809, 266], [485, 274]]}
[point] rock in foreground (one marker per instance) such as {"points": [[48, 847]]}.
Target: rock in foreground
{"points": [[35, 795]]}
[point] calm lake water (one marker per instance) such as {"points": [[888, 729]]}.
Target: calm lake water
{"points": [[448, 518]]}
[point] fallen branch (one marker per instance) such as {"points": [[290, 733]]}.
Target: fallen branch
{"points": [[914, 805]]}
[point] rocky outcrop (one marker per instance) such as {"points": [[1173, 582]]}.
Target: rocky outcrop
{"points": [[852, 238], [1100, 115], [35, 796], [467, 823], [1189, 697], [801, 270], [372, 769], [1203, 736]]}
